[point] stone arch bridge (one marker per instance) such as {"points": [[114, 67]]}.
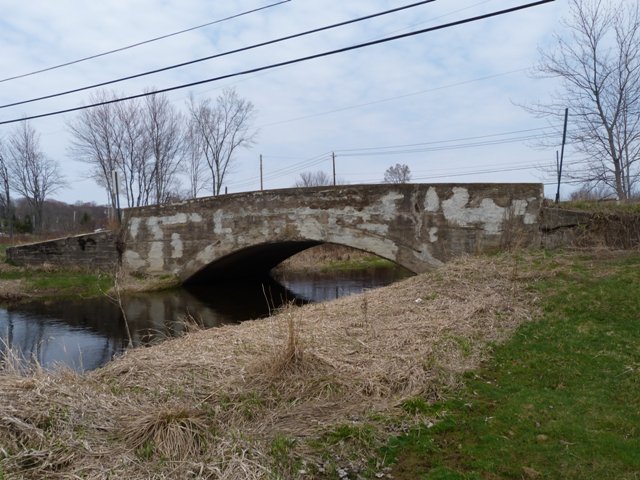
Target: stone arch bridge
{"points": [[417, 226]]}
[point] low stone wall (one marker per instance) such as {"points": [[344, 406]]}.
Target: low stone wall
{"points": [[560, 227], [575, 228], [94, 251]]}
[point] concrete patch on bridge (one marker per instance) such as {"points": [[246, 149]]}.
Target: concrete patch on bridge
{"points": [[418, 226]]}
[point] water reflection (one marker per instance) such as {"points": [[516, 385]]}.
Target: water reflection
{"points": [[85, 334]]}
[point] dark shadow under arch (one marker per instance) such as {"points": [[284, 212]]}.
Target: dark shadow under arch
{"points": [[254, 261]]}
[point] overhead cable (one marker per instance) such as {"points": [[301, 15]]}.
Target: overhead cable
{"points": [[438, 142], [396, 97], [284, 171], [144, 42], [282, 64], [217, 55], [458, 146]]}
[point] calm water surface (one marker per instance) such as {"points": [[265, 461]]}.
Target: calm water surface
{"points": [[86, 334]]}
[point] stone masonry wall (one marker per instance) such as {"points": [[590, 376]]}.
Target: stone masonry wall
{"points": [[567, 228], [418, 226], [95, 251]]}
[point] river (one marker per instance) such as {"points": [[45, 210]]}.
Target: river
{"points": [[85, 334]]}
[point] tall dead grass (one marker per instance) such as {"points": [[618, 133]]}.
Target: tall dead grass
{"points": [[210, 404], [611, 230]]}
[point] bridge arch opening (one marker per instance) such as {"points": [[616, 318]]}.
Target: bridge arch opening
{"points": [[259, 260], [253, 261]]}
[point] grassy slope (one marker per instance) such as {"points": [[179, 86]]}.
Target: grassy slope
{"points": [[560, 400]]}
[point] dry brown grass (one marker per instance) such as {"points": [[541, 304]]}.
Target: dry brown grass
{"points": [[612, 231], [210, 404], [172, 432]]}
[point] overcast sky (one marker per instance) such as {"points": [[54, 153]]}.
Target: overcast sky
{"points": [[436, 99]]}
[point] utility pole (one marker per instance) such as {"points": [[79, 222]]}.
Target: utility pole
{"points": [[261, 185], [559, 163], [333, 159], [115, 182]]}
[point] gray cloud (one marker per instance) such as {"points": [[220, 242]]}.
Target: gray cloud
{"points": [[40, 33]]}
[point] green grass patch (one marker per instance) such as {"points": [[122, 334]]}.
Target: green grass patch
{"points": [[284, 460], [561, 399], [60, 283]]}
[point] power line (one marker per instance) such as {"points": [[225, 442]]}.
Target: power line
{"points": [[284, 171], [438, 142], [477, 172], [144, 42], [413, 25], [448, 147], [282, 64], [389, 99], [527, 165], [456, 169], [218, 55], [473, 172], [442, 173]]}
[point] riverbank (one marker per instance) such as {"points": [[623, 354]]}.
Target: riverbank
{"points": [[343, 389], [19, 284], [22, 284], [559, 400], [305, 393]]}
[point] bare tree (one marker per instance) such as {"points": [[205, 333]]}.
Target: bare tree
{"points": [[598, 64], [141, 141], [133, 153], [31, 173], [96, 142], [195, 165], [397, 174], [313, 179], [223, 127], [5, 189], [595, 192], [164, 132]]}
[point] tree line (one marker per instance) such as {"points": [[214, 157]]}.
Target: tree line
{"points": [[148, 145], [148, 142]]}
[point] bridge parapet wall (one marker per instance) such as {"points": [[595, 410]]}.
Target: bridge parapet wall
{"points": [[418, 226], [95, 251]]}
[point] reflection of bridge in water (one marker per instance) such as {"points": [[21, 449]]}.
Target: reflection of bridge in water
{"points": [[85, 334]]}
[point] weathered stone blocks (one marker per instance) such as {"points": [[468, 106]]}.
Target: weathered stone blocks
{"points": [[418, 226]]}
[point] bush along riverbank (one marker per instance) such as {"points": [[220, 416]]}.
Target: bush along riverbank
{"points": [[512, 366]]}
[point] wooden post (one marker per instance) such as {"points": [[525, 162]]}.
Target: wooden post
{"points": [[333, 159]]}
